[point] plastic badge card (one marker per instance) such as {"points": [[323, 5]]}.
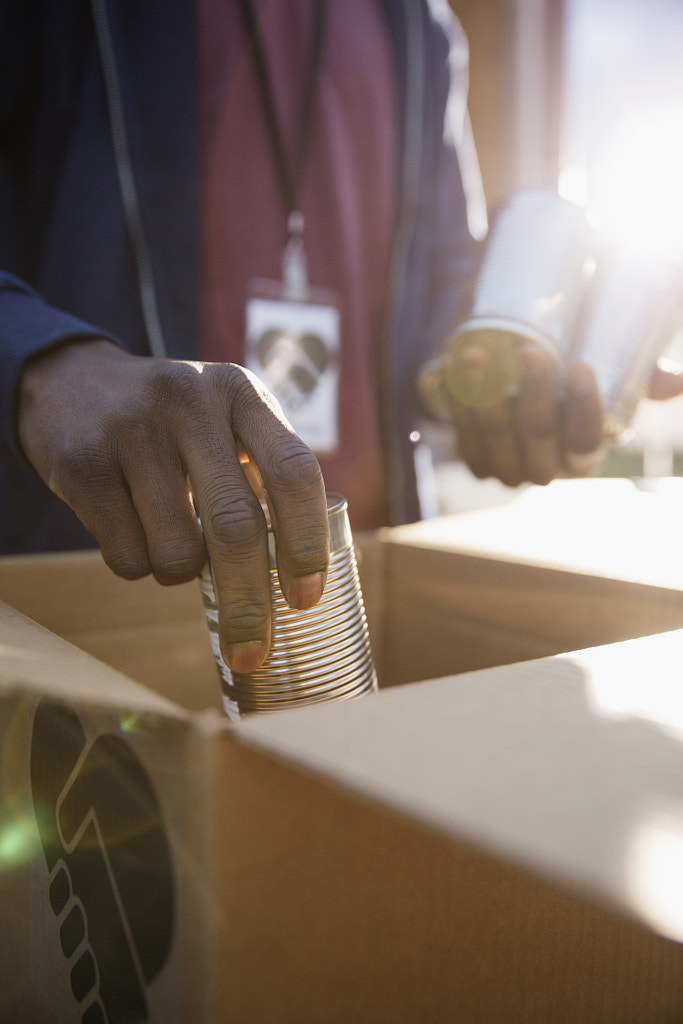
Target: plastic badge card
{"points": [[292, 345]]}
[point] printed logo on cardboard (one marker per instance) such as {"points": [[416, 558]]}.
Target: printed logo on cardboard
{"points": [[109, 862]]}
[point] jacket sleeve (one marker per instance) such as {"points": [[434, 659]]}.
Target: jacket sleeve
{"points": [[28, 325]]}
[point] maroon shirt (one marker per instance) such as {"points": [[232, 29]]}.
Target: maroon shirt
{"points": [[347, 196]]}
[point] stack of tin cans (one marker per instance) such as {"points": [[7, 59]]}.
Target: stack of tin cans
{"points": [[319, 654], [537, 262], [548, 278], [634, 310]]}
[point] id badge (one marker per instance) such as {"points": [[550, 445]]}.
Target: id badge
{"points": [[292, 345]]}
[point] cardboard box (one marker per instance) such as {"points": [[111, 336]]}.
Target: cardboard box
{"points": [[502, 845], [573, 565]]}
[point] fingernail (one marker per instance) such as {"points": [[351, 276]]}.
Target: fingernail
{"points": [[670, 366], [246, 657], [306, 591]]}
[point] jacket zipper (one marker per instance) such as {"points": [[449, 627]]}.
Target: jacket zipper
{"points": [[410, 163]]}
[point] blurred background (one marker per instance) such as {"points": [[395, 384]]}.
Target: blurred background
{"points": [[587, 96]]}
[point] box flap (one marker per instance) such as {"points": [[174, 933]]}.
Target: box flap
{"points": [[34, 659], [153, 634], [607, 528], [571, 766]]}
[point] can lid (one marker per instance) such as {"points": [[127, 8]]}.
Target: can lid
{"points": [[338, 518], [492, 371]]}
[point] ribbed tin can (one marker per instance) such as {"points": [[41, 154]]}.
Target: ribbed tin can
{"points": [[319, 654], [632, 312], [537, 260]]}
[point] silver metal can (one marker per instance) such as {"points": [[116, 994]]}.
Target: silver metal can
{"points": [[319, 654], [537, 260], [632, 312]]}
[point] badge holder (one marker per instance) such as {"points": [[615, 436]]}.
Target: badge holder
{"points": [[292, 345]]}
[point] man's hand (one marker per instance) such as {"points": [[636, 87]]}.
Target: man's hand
{"points": [[551, 424], [128, 441], [546, 428], [516, 419]]}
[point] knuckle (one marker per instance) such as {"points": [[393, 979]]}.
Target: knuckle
{"points": [[245, 619], [174, 392], [307, 543], [241, 383], [234, 523], [170, 381], [309, 549], [248, 399], [294, 468], [81, 475], [241, 390], [177, 562], [84, 469], [294, 481], [126, 562]]}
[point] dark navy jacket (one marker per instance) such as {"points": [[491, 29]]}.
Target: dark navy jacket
{"points": [[70, 269]]}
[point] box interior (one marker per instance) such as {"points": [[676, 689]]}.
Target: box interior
{"points": [[497, 838]]}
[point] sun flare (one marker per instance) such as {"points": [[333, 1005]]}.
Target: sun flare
{"points": [[635, 195]]}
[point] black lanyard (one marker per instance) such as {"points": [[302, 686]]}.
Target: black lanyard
{"points": [[289, 179]]}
